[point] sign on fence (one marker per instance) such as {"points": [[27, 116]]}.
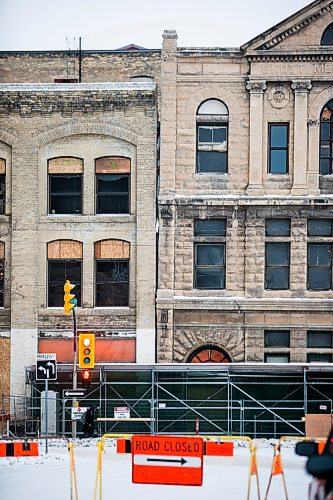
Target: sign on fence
{"points": [[121, 412], [77, 412]]}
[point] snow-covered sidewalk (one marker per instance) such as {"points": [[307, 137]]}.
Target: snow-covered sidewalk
{"points": [[225, 478]]}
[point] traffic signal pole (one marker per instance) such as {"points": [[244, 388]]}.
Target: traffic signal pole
{"points": [[74, 368]]}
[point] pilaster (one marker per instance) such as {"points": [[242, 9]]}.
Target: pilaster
{"points": [[256, 90]]}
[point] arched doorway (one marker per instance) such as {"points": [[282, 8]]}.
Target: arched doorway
{"points": [[209, 354]]}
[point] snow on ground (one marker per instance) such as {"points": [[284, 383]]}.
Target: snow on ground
{"points": [[224, 478]]}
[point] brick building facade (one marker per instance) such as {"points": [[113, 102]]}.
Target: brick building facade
{"points": [[243, 162]]}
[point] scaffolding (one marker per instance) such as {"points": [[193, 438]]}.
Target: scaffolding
{"points": [[257, 400]]}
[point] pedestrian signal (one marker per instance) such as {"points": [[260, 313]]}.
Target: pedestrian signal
{"points": [[86, 350], [86, 379]]}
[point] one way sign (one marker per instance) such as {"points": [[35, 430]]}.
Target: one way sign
{"points": [[46, 367]]}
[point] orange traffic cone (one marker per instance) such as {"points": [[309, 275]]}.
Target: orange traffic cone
{"points": [[277, 469], [253, 471]]}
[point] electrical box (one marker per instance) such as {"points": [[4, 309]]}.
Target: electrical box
{"points": [[53, 413]]}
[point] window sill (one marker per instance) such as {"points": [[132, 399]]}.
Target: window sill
{"points": [[83, 219], [224, 174]]}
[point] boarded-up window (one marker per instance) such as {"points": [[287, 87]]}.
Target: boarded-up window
{"points": [[65, 165], [113, 164], [64, 249], [112, 249], [112, 273]]}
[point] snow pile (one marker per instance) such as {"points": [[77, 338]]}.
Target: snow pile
{"points": [[42, 459]]}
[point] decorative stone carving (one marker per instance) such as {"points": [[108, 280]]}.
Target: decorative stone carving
{"points": [[301, 85], [313, 123], [166, 212], [278, 96], [256, 86], [164, 316]]}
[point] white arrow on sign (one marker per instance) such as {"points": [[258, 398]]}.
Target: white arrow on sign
{"points": [[73, 392], [167, 461], [52, 366], [42, 369]]}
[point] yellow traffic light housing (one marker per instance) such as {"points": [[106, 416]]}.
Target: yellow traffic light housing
{"points": [[86, 350], [69, 298]]}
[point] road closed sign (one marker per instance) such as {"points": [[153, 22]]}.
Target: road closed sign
{"points": [[167, 460]]}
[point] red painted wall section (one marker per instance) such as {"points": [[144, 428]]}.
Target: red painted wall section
{"points": [[106, 350]]}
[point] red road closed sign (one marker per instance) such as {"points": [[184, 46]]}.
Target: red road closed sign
{"points": [[167, 460]]}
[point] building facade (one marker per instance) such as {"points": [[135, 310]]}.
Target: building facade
{"points": [[245, 202], [239, 143]]}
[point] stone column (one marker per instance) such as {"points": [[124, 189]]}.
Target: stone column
{"points": [[256, 89], [301, 90], [313, 160]]}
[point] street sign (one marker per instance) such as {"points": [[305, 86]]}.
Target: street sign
{"points": [[167, 460], [73, 393], [77, 412], [46, 367]]}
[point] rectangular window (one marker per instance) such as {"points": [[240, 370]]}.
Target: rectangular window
{"points": [[277, 227], [112, 283], [317, 357], [278, 149], [58, 272], [317, 338], [277, 266], [319, 266], [277, 338], [112, 192], [2, 194], [209, 253], [65, 193], [276, 358], [212, 148], [320, 227]]}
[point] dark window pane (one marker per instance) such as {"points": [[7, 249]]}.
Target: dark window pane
{"points": [[210, 255], [319, 227], [325, 166], [327, 38], [113, 205], [277, 254], [276, 358], [210, 227], [319, 339], [277, 227], [112, 183], [319, 254], [319, 357], [279, 136], [112, 283], [319, 278], [205, 134], [58, 272], [325, 131], [278, 161], [65, 194], [213, 278], [220, 134], [325, 149], [277, 278], [277, 338], [212, 161]]}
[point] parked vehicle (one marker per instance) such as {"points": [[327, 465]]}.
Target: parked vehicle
{"points": [[320, 466]]}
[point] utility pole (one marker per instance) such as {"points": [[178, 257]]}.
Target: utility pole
{"points": [[74, 368]]}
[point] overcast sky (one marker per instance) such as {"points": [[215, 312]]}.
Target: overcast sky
{"points": [[110, 24]]}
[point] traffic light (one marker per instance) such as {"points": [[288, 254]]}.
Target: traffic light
{"points": [[69, 298], [86, 379], [86, 350]]}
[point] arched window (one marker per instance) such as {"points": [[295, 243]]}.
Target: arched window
{"points": [[112, 273], [64, 263], [65, 185], [209, 354], [212, 137], [327, 38], [113, 185], [326, 139]]}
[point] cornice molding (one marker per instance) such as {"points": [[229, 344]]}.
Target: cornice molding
{"points": [[301, 57], [292, 30]]}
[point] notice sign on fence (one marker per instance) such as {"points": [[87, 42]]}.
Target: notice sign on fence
{"points": [[167, 460], [77, 412], [121, 412]]}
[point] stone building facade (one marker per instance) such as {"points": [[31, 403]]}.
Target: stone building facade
{"points": [[79, 167], [245, 202], [242, 158]]}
